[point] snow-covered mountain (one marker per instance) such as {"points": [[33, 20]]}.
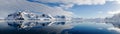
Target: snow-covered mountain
{"points": [[27, 15], [16, 16]]}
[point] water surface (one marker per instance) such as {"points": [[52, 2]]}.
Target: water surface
{"points": [[56, 27]]}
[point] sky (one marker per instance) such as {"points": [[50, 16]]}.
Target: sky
{"points": [[72, 8]]}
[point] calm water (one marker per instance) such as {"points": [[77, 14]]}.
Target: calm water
{"points": [[59, 27]]}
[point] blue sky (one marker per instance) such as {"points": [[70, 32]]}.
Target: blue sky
{"points": [[88, 11], [94, 11], [74, 8]]}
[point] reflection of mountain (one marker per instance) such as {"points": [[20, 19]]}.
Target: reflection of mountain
{"points": [[41, 27], [115, 20], [26, 24]]}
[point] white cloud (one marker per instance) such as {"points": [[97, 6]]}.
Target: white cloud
{"points": [[114, 12], [70, 3], [10, 6], [66, 6], [114, 29], [77, 2], [116, 1]]}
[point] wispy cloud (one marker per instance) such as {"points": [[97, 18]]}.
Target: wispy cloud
{"points": [[10, 6], [117, 1], [78, 2], [114, 12], [70, 3]]}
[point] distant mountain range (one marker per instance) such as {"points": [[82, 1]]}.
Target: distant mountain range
{"points": [[115, 20]]}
